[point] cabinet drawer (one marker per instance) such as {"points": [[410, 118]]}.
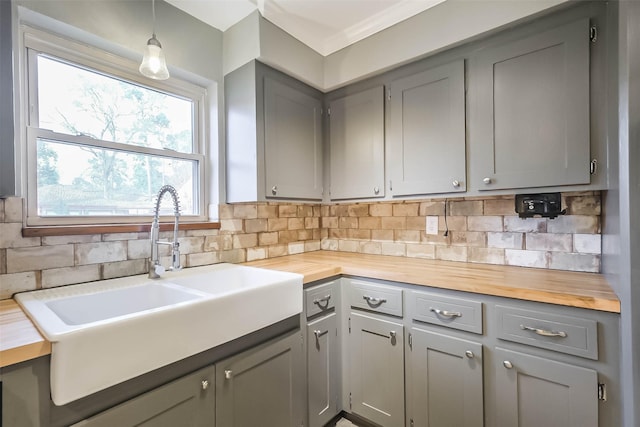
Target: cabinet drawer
{"points": [[374, 297], [451, 312], [321, 298], [565, 334]]}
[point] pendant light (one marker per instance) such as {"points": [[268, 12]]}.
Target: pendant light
{"points": [[153, 64]]}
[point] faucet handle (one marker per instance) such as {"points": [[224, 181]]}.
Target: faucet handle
{"points": [[159, 269]]}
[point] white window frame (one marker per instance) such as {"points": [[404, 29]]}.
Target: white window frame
{"points": [[36, 42]]}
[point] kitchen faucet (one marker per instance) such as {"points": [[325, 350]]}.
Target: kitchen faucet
{"points": [[155, 268]]}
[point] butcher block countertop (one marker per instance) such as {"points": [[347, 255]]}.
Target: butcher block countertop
{"points": [[21, 341], [583, 290]]}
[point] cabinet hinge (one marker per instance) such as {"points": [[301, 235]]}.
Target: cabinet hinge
{"points": [[350, 404], [411, 341], [593, 166], [602, 392], [349, 324], [593, 33], [388, 94], [329, 111], [390, 185], [411, 422]]}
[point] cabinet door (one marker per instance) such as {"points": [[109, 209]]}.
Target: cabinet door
{"points": [[356, 137], [530, 119], [293, 142], [262, 386], [377, 370], [322, 370], [188, 401], [533, 392], [426, 144], [446, 381]]}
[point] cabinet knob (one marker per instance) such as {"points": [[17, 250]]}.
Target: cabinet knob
{"points": [[469, 354], [487, 180], [274, 190], [205, 384], [507, 364], [228, 374], [455, 183], [376, 190], [392, 334]]}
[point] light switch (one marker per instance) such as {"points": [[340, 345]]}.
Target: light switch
{"points": [[432, 225]]}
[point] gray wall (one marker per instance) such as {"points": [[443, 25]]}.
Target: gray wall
{"points": [[7, 166]]}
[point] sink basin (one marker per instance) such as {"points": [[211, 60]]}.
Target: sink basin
{"points": [[107, 332]]}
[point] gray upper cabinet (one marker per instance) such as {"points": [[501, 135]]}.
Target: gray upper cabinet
{"points": [[7, 154], [188, 401], [273, 136], [263, 386], [356, 143], [426, 137], [445, 375], [533, 391], [530, 114]]}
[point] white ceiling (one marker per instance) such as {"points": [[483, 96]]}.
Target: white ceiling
{"points": [[324, 25]]}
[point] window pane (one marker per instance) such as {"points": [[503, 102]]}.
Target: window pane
{"points": [[77, 101], [78, 180]]}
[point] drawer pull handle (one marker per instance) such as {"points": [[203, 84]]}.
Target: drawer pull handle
{"points": [[544, 332], [469, 354], [318, 333], [445, 313], [228, 373], [507, 364], [374, 301], [322, 302]]}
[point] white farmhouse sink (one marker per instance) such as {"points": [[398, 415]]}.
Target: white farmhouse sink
{"points": [[106, 332]]}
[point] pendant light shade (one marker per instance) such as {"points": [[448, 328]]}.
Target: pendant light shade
{"points": [[154, 64]]}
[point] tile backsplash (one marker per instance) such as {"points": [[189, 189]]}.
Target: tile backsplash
{"points": [[482, 230]]}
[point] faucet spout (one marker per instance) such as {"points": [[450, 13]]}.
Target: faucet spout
{"points": [[155, 268]]}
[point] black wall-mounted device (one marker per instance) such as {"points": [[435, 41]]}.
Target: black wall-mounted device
{"points": [[546, 205]]}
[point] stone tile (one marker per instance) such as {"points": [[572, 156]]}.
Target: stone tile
{"points": [[39, 258], [312, 246], [277, 250], [94, 253], [242, 241], [225, 211], [484, 223], [525, 225], [382, 235], [312, 222], [583, 205], [277, 224], [245, 211], [63, 240], [231, 225], [329, 244], [348, 246], [587, 243], [305, 234], [338, 233], [416, 223], [138, 249], [339, 210], [499, 207], [486, 255], [287, 236], [267, 211], [256, 253], [329, 222], [70, 275], [579, 224], [1, 210], [320, 234], [218, 243], [287, 211], [190, 245], [374, 248], [317, 211], [412, 236], [454, 223], [421, 251], [3, 261], [13, 209], [431, 208], [234, 256], [305, 210], [255, 225], [347, 222], [11, 236], [506, 240], [358, 234], [295, 248], [538, 259], [111, 270], [406, 209], [381, 209], [358, 210], [394, 248], [465, 207], [324, 210], [17, 282], [110, 237], [549, 242], [575, 262], [202, 258], [469, 238], [189, 233], [394, 222], [295, 224], [452, 253], [370, 222], [438, 239]]}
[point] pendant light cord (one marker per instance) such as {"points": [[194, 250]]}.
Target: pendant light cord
{"points": [[153, 14]]}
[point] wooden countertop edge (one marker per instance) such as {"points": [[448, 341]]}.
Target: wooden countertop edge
{"points": [[20, 340], [12, 356]]}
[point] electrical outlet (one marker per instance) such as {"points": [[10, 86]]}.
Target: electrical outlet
{"points": [[432, 225]]}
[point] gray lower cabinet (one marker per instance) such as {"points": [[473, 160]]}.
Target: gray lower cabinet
{"points": [[188, 401], [533, 391], [444, 380], [263, 386], [376, 369], [356, 144], [530, 121], [426, 136], [322, 369]]}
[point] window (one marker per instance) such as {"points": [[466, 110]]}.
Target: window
{"points": [[101, 140]]}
